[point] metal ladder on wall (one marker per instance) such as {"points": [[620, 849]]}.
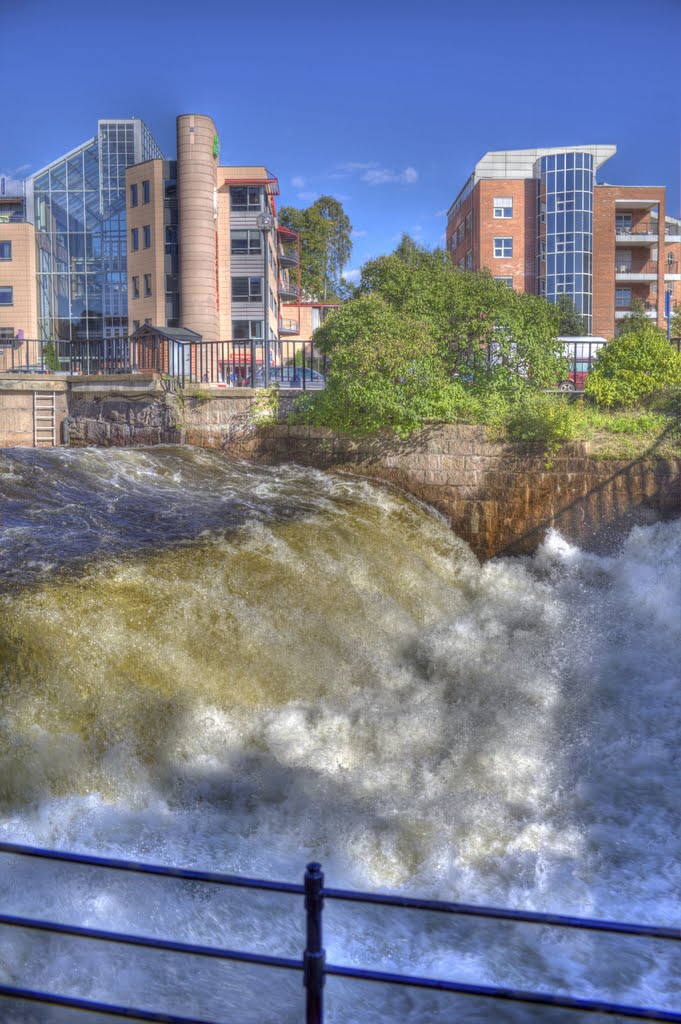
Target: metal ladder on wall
{"points": [[44, 419]]}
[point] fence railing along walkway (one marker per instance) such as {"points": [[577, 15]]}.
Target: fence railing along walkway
{"points": [[313, 965], [253, 364]]}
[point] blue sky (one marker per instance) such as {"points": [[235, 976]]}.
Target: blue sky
{"points": [[386, 106]]}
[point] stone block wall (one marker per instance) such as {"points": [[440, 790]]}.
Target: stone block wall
{"points": [[499, 496]]}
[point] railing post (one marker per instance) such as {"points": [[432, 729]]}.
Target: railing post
{"points": [[252, 362], [314, 956]]}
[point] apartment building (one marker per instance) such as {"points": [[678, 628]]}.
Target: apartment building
{"points": [[18, 313], [539, 221], [205, 251]]}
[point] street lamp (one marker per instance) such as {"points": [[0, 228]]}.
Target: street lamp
{"points": [[265, 223]]}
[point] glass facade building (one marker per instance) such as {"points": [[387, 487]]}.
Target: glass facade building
{"points": [[77, 205], [565, 229]]}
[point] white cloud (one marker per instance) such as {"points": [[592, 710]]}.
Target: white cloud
{"points": [[385, 176], [308, 197], [298, 182], [352, 276], [359, 233], [440, 213], [13, 186]]}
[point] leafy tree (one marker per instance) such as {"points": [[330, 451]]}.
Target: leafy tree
{"points": [[571, 323], [325, 245], [385, 371], [50, 357], [633, 366], [636, 320], [481, 327]]}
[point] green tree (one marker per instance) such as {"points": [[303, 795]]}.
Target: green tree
{"points": [[633, 366], [50, 357], [636, 320], [481, 327], [385, 372], [325, 246], [571, 323]]}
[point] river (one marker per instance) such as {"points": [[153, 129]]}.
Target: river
{"points": [[240, 668]]}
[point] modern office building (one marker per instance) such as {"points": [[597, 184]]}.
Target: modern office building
{"points": [[539, 221], [76, 205], [206, 254]]}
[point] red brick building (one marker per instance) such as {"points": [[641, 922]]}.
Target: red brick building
{"points": [[539, 221]]}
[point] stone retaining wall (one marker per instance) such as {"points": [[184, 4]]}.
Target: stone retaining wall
{"points": [[499, 496]]}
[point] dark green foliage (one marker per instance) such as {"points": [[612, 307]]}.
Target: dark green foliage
{"points": [[632, 367], [571, 322], [325, 246]]}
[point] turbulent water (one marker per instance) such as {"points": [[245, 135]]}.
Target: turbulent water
{"points": [[242, 669]]}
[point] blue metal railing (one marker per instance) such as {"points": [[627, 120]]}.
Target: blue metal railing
{"points": [[313, 964]]}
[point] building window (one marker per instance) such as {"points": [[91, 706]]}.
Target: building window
{"points": [[133, 195], [461, 263], [462, 231], [503, 207], [246, 243], [623, 264], [623, 223], [5, 250], [623, 298], [135, 287], [246, 289], [135, 239], [508, 281], [147, 236], [146, 192], [135, 325], [469, 260], [246, 330], [6, 333], [248, 198], [503, 248], [469, 222], [147, 284], [6, 296], [147, 320]]}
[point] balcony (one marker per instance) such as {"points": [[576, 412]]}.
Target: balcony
{"points": [[289, 326], [648, 308], [646, 232], [672, 232], [636, 271], [287, 255], [287, 290]]}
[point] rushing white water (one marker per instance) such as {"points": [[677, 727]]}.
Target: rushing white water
{"points": [[243, 669]]}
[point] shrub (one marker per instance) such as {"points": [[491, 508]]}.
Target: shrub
{"points": [[633, 367]]}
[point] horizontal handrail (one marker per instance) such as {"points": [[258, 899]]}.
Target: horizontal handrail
{"points": [[505, 914], [149, 942], [105, 1009], [509, 994], [350, 895], [313, 965], [143, 868]]}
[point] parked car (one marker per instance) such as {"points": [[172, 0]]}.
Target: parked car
{"points": [[581, 351], [291, 377]]}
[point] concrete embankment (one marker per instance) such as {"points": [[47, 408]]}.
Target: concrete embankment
{"points": [[499, 496]]}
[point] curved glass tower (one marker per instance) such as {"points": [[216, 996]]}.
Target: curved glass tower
{"points": [[565, 229], [77, 205]]}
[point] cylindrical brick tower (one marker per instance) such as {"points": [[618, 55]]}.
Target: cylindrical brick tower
{"points": [[197, 165]]}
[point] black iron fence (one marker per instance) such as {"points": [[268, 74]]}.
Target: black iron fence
{"points": [[253, 364], [313, 965]]}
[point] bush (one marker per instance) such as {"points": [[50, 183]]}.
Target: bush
{"points": [[633, 367]]}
